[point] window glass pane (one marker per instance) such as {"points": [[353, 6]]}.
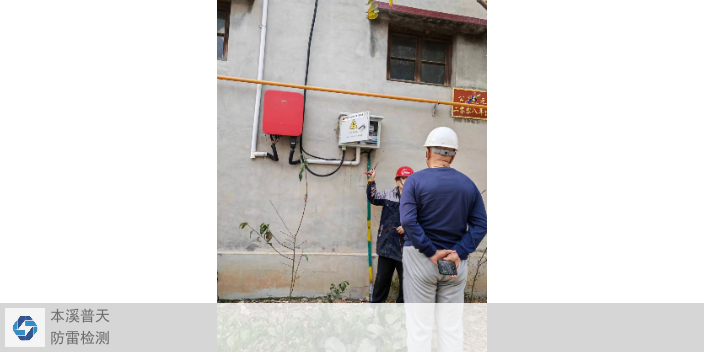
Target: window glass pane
{"points": [[222, 16], [403, 70], [430, 73], [434, 51], [403, 47], [221, 42]]}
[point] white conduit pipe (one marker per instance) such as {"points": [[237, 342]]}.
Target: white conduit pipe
{"points": [[354, 162], [260, 74]]}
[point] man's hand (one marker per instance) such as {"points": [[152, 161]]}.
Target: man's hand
{"points": [[439, 255], [372, 174], [400, 230], [453, 257]]}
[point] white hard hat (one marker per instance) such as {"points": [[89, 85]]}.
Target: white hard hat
{"points": [[442, 137]]}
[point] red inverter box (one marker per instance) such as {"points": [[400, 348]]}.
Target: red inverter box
{"points": [[282, 113]]}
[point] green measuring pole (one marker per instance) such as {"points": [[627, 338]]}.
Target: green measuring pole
{"points": [[369, 231]]}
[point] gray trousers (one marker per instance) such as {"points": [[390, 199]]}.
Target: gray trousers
{"points": [[423, 283], [429, 297]]}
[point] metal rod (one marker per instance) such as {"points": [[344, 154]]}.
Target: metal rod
{"points": [[369, 231]]}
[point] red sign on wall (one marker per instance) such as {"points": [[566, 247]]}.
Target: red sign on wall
{"points": [[469, 96]]}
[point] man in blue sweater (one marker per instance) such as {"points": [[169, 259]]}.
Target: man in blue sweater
{"points": [[443, 215]]}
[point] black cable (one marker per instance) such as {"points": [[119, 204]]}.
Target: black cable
{"points": [[274, 140], [330, 174], [274, 157], [294, 162], [293, 150], [290, 159], [293, 139], [310, 39]]}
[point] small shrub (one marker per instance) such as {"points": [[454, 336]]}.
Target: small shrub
{"points": [[336, 291]]}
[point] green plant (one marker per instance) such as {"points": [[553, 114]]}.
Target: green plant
{"points": [[293, 245], [336, 291], [481, 262]]}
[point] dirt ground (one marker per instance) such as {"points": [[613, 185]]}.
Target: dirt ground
{"points": [[323, 300]]}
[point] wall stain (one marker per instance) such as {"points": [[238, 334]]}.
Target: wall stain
{"points": [[252, 246], [372, 39]]}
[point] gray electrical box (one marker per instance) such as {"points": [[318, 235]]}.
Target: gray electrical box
{"points": [[361, 130]]}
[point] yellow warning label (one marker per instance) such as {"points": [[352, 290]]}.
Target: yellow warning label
{"points": [[353, 126]]}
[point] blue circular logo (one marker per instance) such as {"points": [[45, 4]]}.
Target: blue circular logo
{"points": [[30, 328]]}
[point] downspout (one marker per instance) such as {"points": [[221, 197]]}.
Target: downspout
{"points": [[260, 74]]}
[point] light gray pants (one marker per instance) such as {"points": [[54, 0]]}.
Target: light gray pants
{"points": [[429, 297], [423, 283]]}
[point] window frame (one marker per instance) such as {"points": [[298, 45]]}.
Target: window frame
{"points": [[420, 40], [225, 6]]}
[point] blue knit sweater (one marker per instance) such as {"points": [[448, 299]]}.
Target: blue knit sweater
{"points": [[441, 208]]}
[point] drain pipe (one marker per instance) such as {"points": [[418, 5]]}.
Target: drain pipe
{"points": [[260, 73]]}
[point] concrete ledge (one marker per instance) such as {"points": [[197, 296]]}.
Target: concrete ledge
{"points": [[353, 254], [438, 22], [261, 274], [248, 275], [382, 5]]}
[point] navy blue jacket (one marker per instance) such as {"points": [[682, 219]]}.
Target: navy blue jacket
{"points": [[388, 242], [441, 208]]}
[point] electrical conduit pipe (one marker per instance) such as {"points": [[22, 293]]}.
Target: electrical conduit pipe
{"points": [[354, 162], [260, 73]]}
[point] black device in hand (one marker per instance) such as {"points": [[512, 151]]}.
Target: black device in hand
{"points": [[447, 267]]}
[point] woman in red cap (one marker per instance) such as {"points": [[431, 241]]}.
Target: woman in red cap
{"points": [[389, 242]]}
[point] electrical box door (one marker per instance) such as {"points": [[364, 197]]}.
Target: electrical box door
{"points": [[359, 130]]}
